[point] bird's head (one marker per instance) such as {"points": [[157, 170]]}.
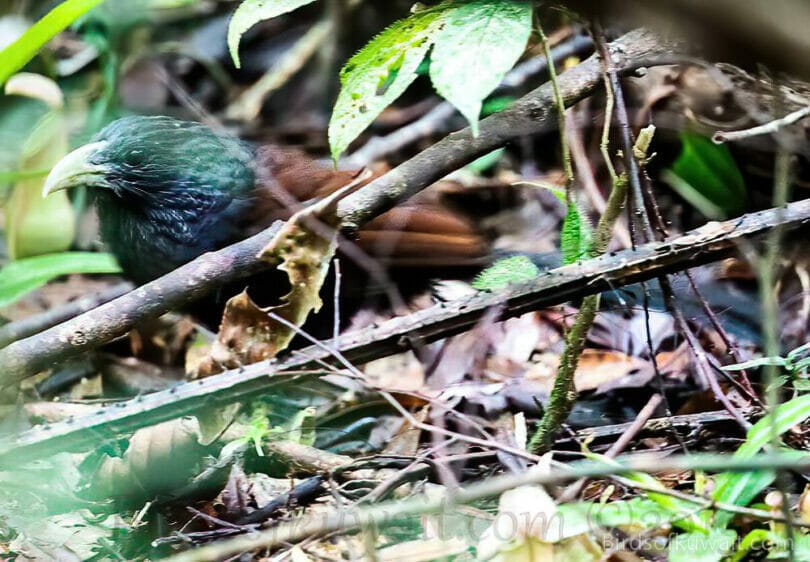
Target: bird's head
{"points": [[156, 160], [166, 190]]}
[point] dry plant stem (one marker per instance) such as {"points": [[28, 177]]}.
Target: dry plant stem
{"points": [[350, 519], [249, 103], [634, 175], [399, 334], [744, 384], [633, 429], [532, 113], [686, 423], [563, 394]]}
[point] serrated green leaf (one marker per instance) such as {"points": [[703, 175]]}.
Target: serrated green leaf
{"points": [[575, 239], [379, 73], [709, 177], [480, 42], [251, 12], [20, 277], [504, 272], [18, 54]]}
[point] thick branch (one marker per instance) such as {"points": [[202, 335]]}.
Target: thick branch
{"points": [[704, 245], [532, 113], [174, 290]]}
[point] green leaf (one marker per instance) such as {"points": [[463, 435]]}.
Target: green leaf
{"points": [[480, 41], [756, 363], [739, 488], [701, 547], [639, 513], [485, 162], [23, 276], [689, 521], [251, 12], [379, 73], [18, 54], [504, 272], [575, 240], [784, 417], [706, 175], [802, 349]]}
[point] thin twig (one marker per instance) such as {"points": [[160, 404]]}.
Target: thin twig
{"points": [[774, 126], [345, 520]]}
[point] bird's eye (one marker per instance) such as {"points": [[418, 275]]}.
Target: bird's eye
{"points": [[135, 157]]}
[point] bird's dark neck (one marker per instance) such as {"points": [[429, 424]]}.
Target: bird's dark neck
{"points": [[153, 236]]}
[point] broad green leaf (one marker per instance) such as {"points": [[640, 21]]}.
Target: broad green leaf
{"points": [[480, 41], [17, 55], [638, 513], [739, 488], [504, 272], [379, 73], [709, 177], [20, 277], [751, 540], [251, 12], [702, 547], [784, 417]]}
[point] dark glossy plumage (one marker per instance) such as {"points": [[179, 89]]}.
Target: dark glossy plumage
{"points": [[175, 190]]}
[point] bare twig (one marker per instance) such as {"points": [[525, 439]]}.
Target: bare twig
{"points": [[774, 126]]}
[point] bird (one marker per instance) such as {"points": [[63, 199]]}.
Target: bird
{"points": [[168, 190]]}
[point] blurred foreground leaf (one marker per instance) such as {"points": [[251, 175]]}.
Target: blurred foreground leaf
{"points": [[23, 276], [17, 55]]}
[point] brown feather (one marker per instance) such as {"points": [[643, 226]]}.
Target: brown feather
{"points": [[423, 234]]}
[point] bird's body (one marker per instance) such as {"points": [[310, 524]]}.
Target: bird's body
{"points": [[168, 191]]}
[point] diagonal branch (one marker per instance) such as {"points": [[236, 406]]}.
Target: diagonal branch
{"points": [[704, 245], [532, 113]]}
